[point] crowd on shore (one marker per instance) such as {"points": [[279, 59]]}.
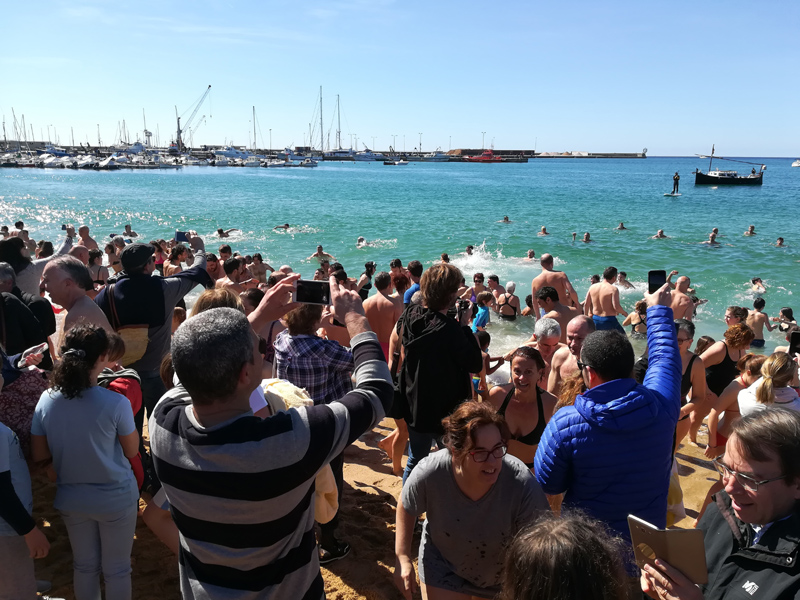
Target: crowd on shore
{"points": [[515, 491]]}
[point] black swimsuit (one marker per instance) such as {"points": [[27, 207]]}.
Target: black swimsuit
{"points": [[364, 291], [686, 383], [512, 317], [642, 321], [720, 375], [532, 438]]}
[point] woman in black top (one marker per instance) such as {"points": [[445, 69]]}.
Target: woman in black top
{"points": [[365, 281], [507, 305], [693, 380], [526, 407]]}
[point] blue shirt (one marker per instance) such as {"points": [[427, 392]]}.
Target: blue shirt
{"points": [[481, 319], [410, 292], [82, 433], [11, 459]]}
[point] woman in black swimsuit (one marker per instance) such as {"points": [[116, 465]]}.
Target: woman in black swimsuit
{"points": [[637, 319], [720, 364], [507, 305], [526, 407], [693, 380], [365, 281], [96, 268]]}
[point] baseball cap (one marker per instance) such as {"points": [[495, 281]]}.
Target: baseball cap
{"points": [[135, 256]]}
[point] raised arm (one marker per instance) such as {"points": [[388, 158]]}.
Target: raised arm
{"points": [[664, 371]]}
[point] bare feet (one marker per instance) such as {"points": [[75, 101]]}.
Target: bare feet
{"points": [[386, 445]]}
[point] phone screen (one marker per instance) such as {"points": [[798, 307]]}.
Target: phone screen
{"points": [[655, 279], [180, 236], [794, 343], [312, 292]]}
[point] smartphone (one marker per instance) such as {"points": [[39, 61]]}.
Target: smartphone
{"points": [[794, 343], [180, 236], [36, 349], [312, 292], [655, 279], [63, 228], [682, 548]]}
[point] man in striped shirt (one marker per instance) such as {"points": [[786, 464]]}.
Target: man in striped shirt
{"points": [[240, 488]]}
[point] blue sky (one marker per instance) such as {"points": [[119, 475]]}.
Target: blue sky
{"points": [[674, 77]]}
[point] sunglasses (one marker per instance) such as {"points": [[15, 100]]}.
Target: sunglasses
{"points": [[582, 365]]}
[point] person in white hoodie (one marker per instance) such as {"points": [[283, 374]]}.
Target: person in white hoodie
{"points": [[778, 372]]}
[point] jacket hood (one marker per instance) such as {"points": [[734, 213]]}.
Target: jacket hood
{"points": [[419, 323], [619, 405]]}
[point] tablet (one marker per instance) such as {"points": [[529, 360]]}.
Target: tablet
{"points": [[681, 548]]}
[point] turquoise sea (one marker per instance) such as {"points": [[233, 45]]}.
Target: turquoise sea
{"points": [[421, 210]]}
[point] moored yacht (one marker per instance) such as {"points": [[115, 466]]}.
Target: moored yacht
{"points": [[369, 155]]}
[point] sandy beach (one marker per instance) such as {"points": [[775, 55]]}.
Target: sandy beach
{"points": [[367, 524]]}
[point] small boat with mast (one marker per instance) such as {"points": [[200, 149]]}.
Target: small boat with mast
{"points": [[720, 177]]}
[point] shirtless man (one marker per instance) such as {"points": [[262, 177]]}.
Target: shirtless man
{"points": [[711, 241], [493, 283], [320, 255], [554, 279], [225, 252], [586, 238], [68, 280], [223, 233], [602, 302], [237, 278], [565, 360], [383, 311], [81, 253], [532, 255], [213, 267], [29, 243], [547, 298], [681, 303], [622, 281], [757, 320], [505, 220], [621, 227], [86, 239], [779, 243], [130, 232], [750, 230], [284, 226], [545, 338], [660, 235], [543, 231], [258, 268], [469, 250]]}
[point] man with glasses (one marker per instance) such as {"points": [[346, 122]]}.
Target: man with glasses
{"points": [[752, 529], [612, 451]]}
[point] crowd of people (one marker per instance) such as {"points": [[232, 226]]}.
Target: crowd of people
{"points": [[518, 490]]}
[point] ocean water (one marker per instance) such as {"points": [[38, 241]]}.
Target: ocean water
{"points": [[421, 210]]}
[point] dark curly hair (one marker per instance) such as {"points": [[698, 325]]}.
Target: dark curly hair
{"points": [[460, 426], [83, 346]]}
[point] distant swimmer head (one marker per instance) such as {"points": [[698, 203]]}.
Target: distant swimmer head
{"points": [[531, 254], [586, 237], [469, 250], [445, 257], [505, 219]]}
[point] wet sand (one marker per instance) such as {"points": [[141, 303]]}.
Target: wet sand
{"points": [[367, 523]]}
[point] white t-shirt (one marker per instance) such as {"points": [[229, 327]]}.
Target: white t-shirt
{"points": [[785, 397]]}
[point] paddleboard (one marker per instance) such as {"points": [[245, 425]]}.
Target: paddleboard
{"points": [[673, 195]]}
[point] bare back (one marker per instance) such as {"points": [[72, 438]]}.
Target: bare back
{"points": [[755, 321], [382, 312], [563, 314], [86, 311], [604, 299], [682, 306], [554, 279]]}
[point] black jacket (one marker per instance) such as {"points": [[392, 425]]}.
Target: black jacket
{"points": [[20, 330], [41, 309], [440, 355], [737, 568]]}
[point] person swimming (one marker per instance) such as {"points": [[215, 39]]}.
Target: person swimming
{"points": [[543, 231]]}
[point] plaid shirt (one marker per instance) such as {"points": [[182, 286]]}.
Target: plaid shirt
{"points": [[322, 367]]}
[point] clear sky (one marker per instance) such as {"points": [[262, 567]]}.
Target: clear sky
{"points": [[674, 77]]}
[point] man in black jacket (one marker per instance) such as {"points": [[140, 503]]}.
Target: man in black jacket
{"points": [[40, 307], [440, 354], [752, 530]]}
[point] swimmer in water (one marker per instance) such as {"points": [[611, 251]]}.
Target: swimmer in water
{"points": [[586, 238], [779, 243], [621, 227], [594, 279], [361, 242], [284, 226], [757, 286], [712, 240], [543, 231], [445, 258], [469, 249], [531, 255], [622, 281], [574, 236], [750, 230], [223, 233], [659, 235], [505, 220]]}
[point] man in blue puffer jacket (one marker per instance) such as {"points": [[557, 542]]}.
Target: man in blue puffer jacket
{"points": [[612, 451]]}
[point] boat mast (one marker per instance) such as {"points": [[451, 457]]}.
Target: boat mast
{"points": [[711, 158], [321, 134], [254, 129], [339, 124]]}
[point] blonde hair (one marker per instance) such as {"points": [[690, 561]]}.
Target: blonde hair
{"points": [[216, 298], [777, 372]]}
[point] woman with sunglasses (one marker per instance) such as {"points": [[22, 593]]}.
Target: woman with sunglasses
{"points": [[472, 293], [476, 498]]}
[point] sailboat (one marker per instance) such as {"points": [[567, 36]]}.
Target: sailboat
{"points": [[719, 177]]}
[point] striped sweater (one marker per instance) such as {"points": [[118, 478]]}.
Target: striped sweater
{"points": [[241, 492]]}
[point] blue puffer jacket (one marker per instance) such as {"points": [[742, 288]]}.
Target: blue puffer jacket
{"points": [[612, 451]]}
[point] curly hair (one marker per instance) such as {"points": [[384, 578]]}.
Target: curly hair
{"points": [[83, 346], [739, 336], [461, 424]]}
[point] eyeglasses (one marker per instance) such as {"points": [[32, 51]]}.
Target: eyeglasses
{"points": [[582, 365], [745, 481], [480, 456], [262, 346]]}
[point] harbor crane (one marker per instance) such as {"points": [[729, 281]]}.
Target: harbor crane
{"points": [[188, 122]]}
